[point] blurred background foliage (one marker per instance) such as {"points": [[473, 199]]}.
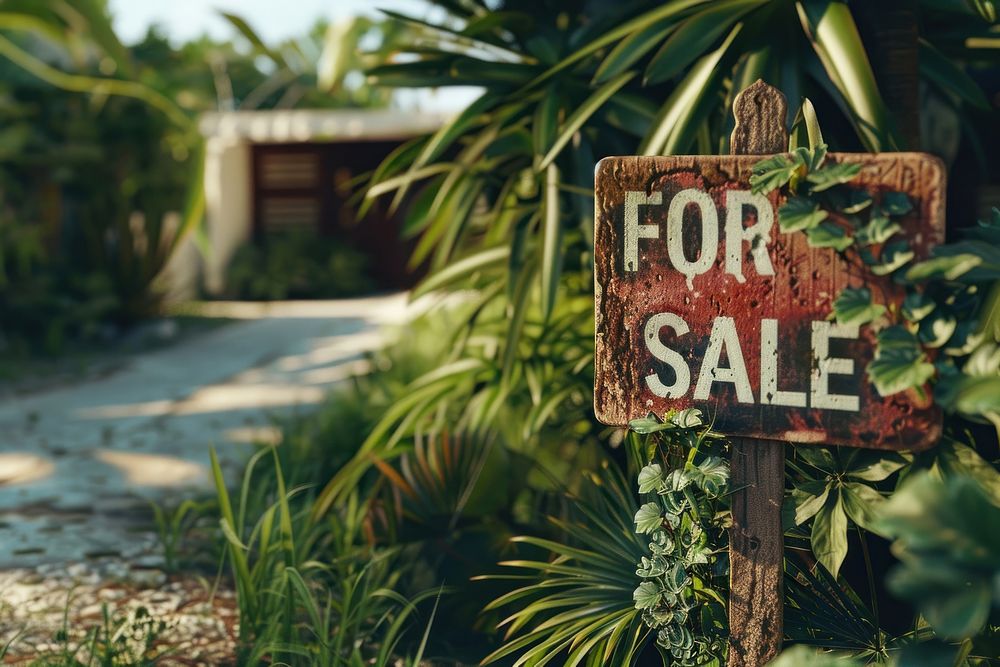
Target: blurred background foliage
{"points": [[475, 425], [100, 157]]}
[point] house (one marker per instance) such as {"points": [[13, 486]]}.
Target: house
{"points": [[267, 171]]}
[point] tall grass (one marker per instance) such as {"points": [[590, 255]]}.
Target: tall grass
{"points": [[314, 593]]}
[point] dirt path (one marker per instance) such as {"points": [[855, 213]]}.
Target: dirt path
{"points": [[79, 464]]}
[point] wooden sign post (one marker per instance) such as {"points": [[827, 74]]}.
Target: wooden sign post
{"points": [[700, 301], [756, 541]]}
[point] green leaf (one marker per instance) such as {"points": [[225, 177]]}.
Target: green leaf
{"points": [[632, 48], [799, 213], [857, 201], [948, 536], [877, 466], [979, 396], [951, 267], [648, 424], [683, 111], [546, 121], [687, 418], [959, 459], [897, 337], [989, 315], [800, 654], [854, 306], [582, 113], [773, 172], [813, 130], [674, 11], [829, 235], [899, 363], [835, 174], [829, 534], [917, 306], [896, 203], [983, 362], [650, 478], [947, 75], [711, 476], [878, 230], [961, 615], [256, 42], [936, 330], [809, 499], [100, 28], [894, 256], [648, 518], [647, 595], [820, 458], [813, 157], [551, 241], [677, 578], [463, 268], [693, 37], [834, 35], [862, 504]]}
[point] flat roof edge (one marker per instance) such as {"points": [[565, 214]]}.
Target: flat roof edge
{"points": [[306, 125]]}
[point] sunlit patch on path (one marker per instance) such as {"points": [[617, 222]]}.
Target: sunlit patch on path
{"points": [[79, 465]]}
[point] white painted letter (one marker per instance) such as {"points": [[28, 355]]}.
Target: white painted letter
{"points": [[824, 367], [723, 336], [709, 233], [682, 374], [633, 230], [769, 392], [758, 234]]}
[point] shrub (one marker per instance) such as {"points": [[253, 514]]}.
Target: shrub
{"points": [[297, 265]]}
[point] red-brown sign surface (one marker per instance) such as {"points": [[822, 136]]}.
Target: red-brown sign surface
{"points": [[702, 302]]}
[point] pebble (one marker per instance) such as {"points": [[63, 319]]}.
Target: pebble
{"points": [[196, 627]]}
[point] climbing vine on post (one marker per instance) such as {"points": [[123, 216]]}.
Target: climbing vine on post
{"points": [[685, 519]]}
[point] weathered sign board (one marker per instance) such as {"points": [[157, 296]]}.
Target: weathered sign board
{"points": [[702, 302]]}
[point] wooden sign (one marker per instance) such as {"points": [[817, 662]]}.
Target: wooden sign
{"points": [[702, 302]]}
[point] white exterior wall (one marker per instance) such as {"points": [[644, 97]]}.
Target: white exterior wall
{"points": [[228, 205], [228, 140]]}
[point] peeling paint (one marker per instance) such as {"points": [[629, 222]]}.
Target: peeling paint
{"points": [[801, 291]]}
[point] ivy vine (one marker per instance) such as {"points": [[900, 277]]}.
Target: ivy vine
{"points": [[942, 338], [685, 519], [944, 334]]}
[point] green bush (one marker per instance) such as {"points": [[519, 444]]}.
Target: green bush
{"points": [[297, 265]]}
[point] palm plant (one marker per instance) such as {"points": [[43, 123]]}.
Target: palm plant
{"points": [[324, 67], [502, 207], [503, 194], [578, 604]]}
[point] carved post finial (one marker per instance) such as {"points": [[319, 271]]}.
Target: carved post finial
{"points": [[760, 111]]}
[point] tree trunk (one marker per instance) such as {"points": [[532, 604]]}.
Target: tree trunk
{"points": [[889, 31]]}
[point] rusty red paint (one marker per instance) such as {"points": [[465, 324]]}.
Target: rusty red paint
{"points": [[801, 291]]}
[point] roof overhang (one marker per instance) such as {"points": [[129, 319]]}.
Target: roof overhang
{"points": [[320, 125]]}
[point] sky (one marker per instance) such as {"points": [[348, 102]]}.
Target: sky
{"points": [[273, 19]]}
